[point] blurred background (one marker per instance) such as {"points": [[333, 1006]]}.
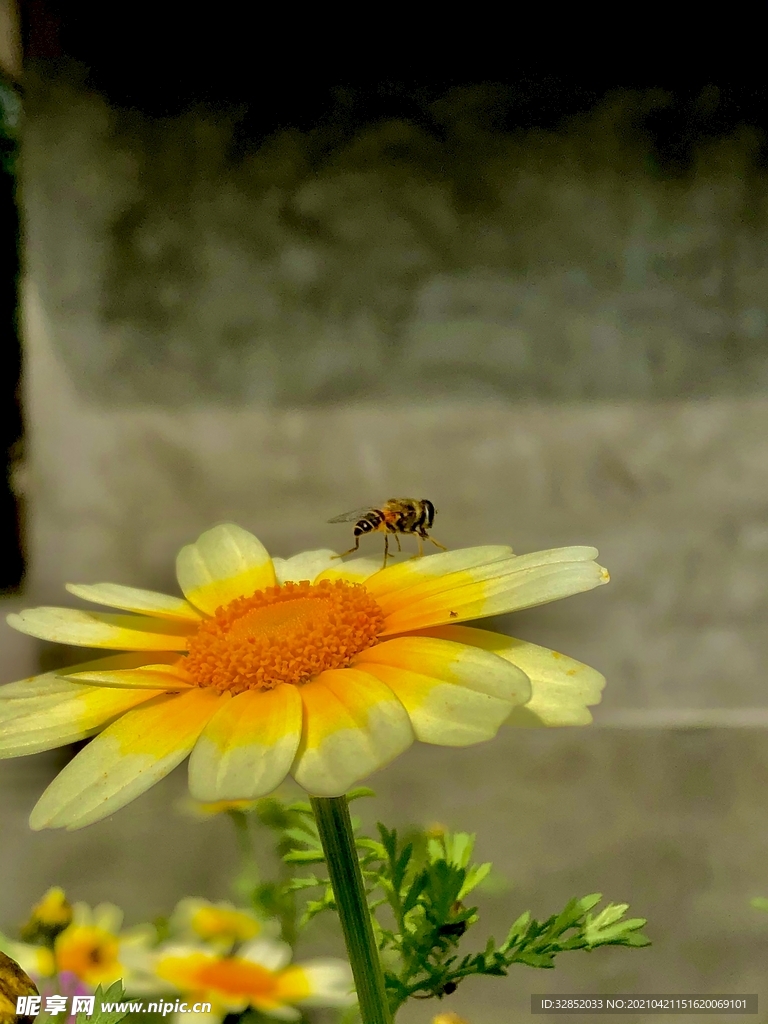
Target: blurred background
{"points": [[268, 294]]}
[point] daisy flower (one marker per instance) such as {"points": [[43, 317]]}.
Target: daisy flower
{"points": [[92, 948], [260, 976], [308, 666], [220, 926]]}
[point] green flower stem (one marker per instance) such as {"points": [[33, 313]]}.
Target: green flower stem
{"points": [[337, 837]]}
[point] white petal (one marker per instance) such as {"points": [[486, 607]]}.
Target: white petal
{"points": [[66, 713], [455, 694], [563, 689], [356, 570], [131, 599], [306, 566], [267, 952], [353, 725], [102, 629], [247, 748], [417, 570], [56, 681], [331, 983], [131, 755], [224, 563]]}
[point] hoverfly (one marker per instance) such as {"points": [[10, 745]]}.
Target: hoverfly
{"points": [[396, 516]]}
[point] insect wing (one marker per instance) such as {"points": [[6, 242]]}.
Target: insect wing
{"points": [[351, 517]]}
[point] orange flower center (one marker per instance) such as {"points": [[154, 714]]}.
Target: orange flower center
{"points": [[284, 634], [236, 978], [89, 952]]}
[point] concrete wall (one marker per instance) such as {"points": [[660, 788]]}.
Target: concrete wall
{"points": [[543, 335]]}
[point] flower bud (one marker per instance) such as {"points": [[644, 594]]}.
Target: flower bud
{"points": [[49, 917]]}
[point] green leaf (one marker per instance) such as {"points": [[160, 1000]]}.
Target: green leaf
{"points": [[315, 907], [607, 927], [568, 917], [114, 994], [587, 902], [300, 833], [401, 866], [475, 875], [417, 888], [303, 857], [518, 929], [388, 840], [357, 794], [296, 884], [759, 903], [608, 916], [300, 807], [459, 848], [370, 844]]}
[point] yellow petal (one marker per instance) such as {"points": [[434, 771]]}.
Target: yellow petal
{"points": [[455, 694], [101, 629], [356, 570], [326, 982], [126, 759], [34, 686], [247, 748], [146, 602], [493, 589], [224, 563], [353, 725], [562, 689], [149, 677], [306, 566], [36, 961], [58, 712], [423, 586], [396, 578]]}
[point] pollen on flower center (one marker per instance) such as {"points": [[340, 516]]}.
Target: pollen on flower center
{"points": [[283, 634]]}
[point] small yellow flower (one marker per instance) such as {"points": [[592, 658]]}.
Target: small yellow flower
{"points": [[90, 953], [435, 831], [92, 947], [260, 976], [448, 1018], [219, 925], [49, 917], [95, 949], [14, 982], [307, 666], [200, 809]]}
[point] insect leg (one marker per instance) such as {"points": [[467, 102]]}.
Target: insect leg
{"points": [[386, 549], [437, 543], [357, 545]]}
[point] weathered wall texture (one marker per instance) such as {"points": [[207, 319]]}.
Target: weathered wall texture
{"points": [[185, 265], [276, 337]]}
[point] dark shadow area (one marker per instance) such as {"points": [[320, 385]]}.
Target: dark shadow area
{"points": [[11, 557]]}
